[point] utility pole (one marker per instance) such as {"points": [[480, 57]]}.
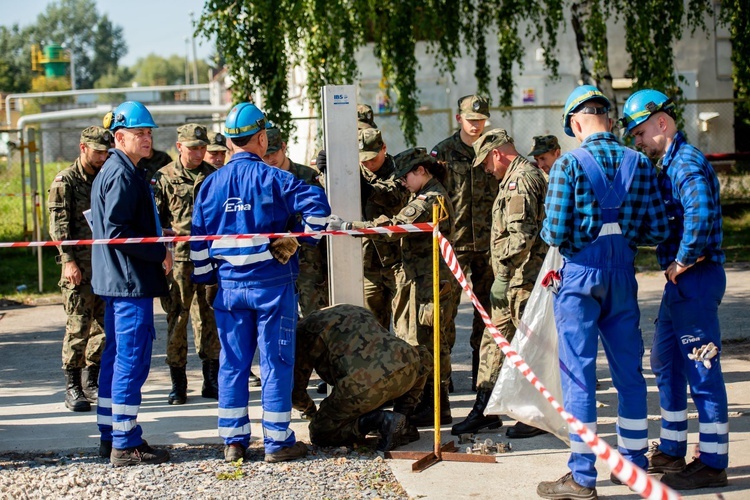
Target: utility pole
{"points": [[195, 58]]}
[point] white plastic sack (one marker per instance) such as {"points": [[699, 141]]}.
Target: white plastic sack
{"points": [[536, 342]]}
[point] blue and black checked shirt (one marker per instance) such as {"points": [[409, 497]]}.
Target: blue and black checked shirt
{"points": [[690, 190], [574, 217]]}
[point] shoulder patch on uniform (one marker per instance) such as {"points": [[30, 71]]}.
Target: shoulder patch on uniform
{"points": [[58, 178], [421, 197], [434, 153], [410, 211], [512, 186], [153, 181]]}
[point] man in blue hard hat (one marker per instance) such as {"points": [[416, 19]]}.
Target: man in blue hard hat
{"points": [[256, 303], [687, 341], [602, 202], [127, 277]]}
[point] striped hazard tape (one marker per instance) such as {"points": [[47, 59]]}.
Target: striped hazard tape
{"points": [[404, 228], [631, 475]]}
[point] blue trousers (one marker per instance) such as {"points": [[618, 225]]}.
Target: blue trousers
{"points": [[266, 319], [688, 318], [130, 333], [598, 298]]}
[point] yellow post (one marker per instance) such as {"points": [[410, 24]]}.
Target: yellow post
{"points": [[436, 322]]}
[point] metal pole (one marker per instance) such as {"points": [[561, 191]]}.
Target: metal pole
{"points": [[436, 325], [195, 58]]}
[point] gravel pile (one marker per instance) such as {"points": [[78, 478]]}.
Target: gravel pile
{"points": [[199, 472]]}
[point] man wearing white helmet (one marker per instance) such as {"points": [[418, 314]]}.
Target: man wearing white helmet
{"points": [[687, 341], [602, 203], [256, 303], [127, 277]]}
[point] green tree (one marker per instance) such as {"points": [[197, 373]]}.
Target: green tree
{"points": [[15, 63], [157, 70], [262, 39], [95, 42]]}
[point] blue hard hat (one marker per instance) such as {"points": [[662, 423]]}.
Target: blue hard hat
{"points": [[244, 119], [579, 96], [641, 105], [130, 114]]}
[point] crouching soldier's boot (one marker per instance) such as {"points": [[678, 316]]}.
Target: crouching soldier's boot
{"points": [[410, 432], [210, 388], [425, 413], [389, 425], [90, 382], [178, 396], [476, 420], [75, 400]]}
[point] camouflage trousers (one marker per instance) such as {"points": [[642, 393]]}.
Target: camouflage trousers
{"points": [[506, 316], [313, 293], [335, 422], [182, 293], [477, 265], [84, 329], [380, 291], [420, 314]]}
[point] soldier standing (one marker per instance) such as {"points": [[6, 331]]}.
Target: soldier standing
{"points": [[175, 188], [381, 195], [366, 366], [69, 197], [153, 162], [472, 193], [216, 151], [545, 150], [422, 175], [517, 256], [312, 282]]}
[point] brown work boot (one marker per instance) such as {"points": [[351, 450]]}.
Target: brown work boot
{"points": [[297, 450], [565, 487], [696, 475], [658, 461], [141, 454], [233, 452]]}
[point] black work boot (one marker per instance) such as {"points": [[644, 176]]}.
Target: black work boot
{"points": [[474, 369], [426, 416], [178, 396], [210, 388], [476, 420], [90, 382], [75, 400], [253, 380], [389, 425]]}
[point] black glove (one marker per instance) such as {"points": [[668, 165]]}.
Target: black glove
{"points": [[320, 161]]}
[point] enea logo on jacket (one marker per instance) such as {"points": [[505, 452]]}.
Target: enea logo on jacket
{"points": [[236, 205]]}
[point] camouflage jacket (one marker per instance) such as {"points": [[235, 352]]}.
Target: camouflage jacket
{"points": [[69, 197], [313, 261], [348, 349], [416, 248], [174, 193], [382, 195], [471, 191], [152, 165], [517, 249]]}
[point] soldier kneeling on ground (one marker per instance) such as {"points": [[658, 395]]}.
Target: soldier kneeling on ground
{"points": [[366, 367]]}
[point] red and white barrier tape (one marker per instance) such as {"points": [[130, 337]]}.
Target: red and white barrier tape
{"points": [[631, 475], [404, 228]]}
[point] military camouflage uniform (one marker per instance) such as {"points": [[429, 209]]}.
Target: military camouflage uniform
{"points": [[363, 363], [517, 256], [69, 197], [152, 165], [472, 193], [416, 255], [382, 195], [174, 192], [312, 282]]}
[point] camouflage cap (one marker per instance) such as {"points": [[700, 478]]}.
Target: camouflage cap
{"points": [[408, 160], [97, 138], [217, 142], [365, 117], [474, 107], [370, 143], [542, 144], [274, 139], [192, 134], [489, 141]]}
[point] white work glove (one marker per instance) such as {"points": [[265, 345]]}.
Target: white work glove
{"points": [[704, 353], [336, 223]]}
